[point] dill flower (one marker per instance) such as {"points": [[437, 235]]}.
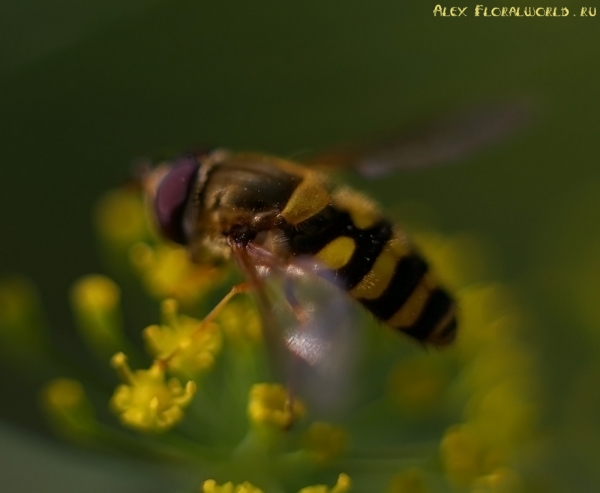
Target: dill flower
{"points": [[201, 396], [146, 400]]}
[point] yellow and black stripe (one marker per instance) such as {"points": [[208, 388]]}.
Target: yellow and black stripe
{"points": [[377, 266], [344, 230]]}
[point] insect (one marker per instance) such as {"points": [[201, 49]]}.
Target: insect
{"points": [[270, 211], [282, 218]]}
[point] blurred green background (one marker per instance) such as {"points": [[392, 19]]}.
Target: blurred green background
{"points": [[85, 89]]}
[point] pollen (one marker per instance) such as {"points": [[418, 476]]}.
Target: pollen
{"points": [[342, 485], [326, 441], [147, 401], [270, 404], [187, 345], [211, 486]]}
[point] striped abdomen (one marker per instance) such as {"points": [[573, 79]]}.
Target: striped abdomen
{"points": [[373, 261]]}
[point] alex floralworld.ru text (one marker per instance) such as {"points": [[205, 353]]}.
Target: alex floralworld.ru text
{"points": [[483, 11]]}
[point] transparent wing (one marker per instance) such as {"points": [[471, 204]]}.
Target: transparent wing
{"points": [[436, 142], [311, 327]]}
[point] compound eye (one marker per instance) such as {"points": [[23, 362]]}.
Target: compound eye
{"points": [[172, 196]]}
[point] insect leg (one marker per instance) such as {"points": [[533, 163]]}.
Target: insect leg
{"points": [[237, 289], [249, 257]]}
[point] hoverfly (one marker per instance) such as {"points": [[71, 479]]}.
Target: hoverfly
{"points": [[280, 219]]}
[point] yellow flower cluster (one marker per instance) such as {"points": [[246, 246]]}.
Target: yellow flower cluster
{"points": [[147, 401], [419, 421], [498, 376], [69, 409], [95, 302], [270, 404], [325, 441], [501, 413], [187, 345], [210, 486], [167, 271]]}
